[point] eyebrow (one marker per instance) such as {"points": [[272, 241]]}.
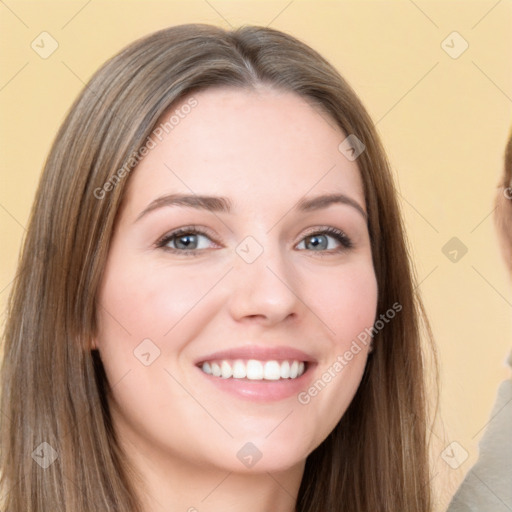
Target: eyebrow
{"points": [[224, 205], [317, 203], [209, 203]]}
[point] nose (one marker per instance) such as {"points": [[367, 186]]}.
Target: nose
{"points": [[264, 291]]}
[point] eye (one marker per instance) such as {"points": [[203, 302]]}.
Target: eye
{"points": [[186, 240], [329, 239]]}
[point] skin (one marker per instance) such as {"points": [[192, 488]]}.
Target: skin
{"points": [[264, 150], [503, 216]]}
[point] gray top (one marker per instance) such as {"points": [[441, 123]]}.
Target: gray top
{"points": [[488, 485]]}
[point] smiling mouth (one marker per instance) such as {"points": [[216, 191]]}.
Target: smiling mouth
{"points": [[254, 369]]}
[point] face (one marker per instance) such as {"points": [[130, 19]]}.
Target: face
{"points": [[503, 210], [239, 275]]}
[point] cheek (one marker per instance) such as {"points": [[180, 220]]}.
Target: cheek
{"points": [[345, 300], [148, 301]]}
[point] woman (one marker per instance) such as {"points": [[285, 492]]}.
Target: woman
{"points": [[215, 307], [503, 211], [486, 487]]}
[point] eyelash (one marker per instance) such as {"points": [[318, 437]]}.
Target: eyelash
{"points": [[187, 230], [340, 236]]}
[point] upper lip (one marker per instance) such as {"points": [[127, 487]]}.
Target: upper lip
{"points": [[260, 353]]}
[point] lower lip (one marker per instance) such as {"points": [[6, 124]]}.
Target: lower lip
{"points": [[262, 390]]}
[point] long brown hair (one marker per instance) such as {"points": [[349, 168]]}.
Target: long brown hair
{"points": [[53, 386]]}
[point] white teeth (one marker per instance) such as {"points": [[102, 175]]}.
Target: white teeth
{"points": [[285, 370], [225, 369], [216, 370], [239, 370], [271, 370], [253, 369], [294, 370]]}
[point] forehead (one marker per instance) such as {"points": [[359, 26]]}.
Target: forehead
{"points": [[264, 144]]}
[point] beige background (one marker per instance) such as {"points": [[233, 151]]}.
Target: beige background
{"points": [[444, 122]]}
